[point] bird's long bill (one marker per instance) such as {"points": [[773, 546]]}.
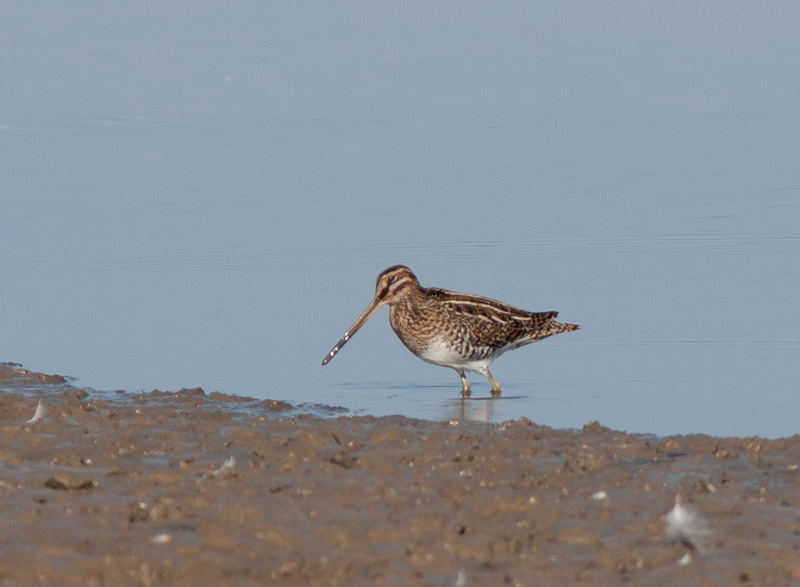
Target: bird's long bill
{"points": [[365, 315]]}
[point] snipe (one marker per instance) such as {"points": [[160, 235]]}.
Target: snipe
{"points": [[462, 331]]}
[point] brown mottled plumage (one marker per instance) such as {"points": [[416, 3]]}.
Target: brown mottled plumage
{"points": [[462, 331]]}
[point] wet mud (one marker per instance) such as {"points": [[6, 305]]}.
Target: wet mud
{"points": [[189, 488]]}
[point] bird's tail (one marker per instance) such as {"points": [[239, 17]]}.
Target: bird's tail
{"points": [[554, 327], [548, 328]]}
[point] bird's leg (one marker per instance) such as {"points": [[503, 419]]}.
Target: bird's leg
{"points": [[495, 385], [464, 384]]}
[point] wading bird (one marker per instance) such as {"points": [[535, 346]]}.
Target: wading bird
{"points": [[462, 331]]}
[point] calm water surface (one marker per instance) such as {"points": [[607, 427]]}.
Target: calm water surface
{"points": [[203, 194]]}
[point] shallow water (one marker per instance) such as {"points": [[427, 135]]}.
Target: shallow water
{"points": [[204, 196]]}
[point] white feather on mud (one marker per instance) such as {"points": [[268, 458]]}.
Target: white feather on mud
{"points": [[228, 465], [684, 524], [38, 414]]}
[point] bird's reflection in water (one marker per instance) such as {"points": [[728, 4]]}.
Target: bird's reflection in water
{"points": [[478, 409]]}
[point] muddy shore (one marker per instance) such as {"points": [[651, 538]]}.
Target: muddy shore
{"points": [[189, 488]]}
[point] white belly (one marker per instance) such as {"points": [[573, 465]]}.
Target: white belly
{"points": [[439, 352]]}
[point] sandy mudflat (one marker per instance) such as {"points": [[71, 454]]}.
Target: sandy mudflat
{"points": [[188, 488]]}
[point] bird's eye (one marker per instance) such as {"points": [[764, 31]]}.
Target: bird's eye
{"points": [[391, 278]]}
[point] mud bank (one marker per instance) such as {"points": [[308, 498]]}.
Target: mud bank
{"points": [[189, 488]]}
